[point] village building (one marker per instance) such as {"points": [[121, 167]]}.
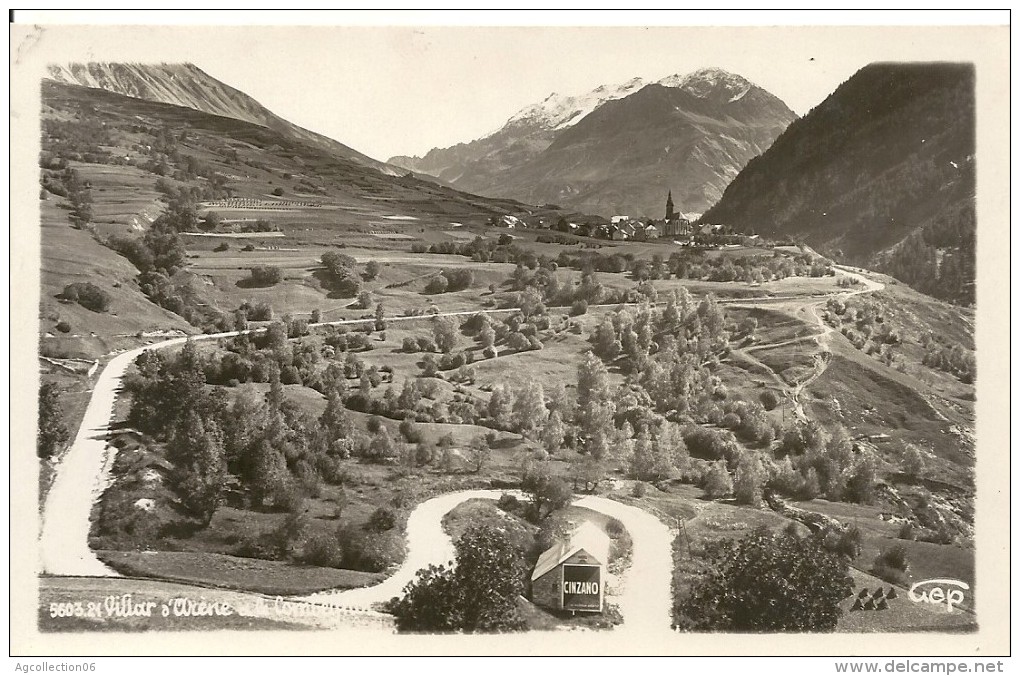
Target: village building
{"points": [[571, 574], [676, 224]]}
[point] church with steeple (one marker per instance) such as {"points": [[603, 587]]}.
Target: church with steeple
{"points": [[675, 224]]}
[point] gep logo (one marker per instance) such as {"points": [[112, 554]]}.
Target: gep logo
{"points": [[938, 590]]}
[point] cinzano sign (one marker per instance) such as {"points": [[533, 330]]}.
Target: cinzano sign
{"points": [[582, 587]]}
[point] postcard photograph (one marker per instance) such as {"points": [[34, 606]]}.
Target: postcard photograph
{"points": [[548, 339]]}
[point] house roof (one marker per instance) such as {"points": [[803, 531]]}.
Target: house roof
{"points": [[587, 536]]}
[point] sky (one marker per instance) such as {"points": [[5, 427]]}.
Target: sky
{"points": [[389, 90]]}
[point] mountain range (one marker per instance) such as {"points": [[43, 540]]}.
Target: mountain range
{"points": [[188, 86], [881, 174], [620, 149]]}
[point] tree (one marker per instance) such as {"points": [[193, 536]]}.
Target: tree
{"points": [[500, 406], [372, 270], [437, 284], [88, 295], [860, 487], [181, 213], [750, 480], [913, 461], [52, 431], [167, 390], [718, 483], [200, 466], [268, 473], [243, 427], [382, 446], [342, 269], [641, 461], [548, 493], [769, 582], [164, 249], [429, 366], [335, 426], [488, 336], [769, 399], [553, 432], [479, 594], [595, 406], [211, 221], [444, 331], [364, 299], [589, 472], [380, 317], [670, 448], [605, 343], [479, 455], [529, 408], [266, 275]]}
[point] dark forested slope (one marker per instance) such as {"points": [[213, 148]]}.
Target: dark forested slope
{"points": [[881, 174]]}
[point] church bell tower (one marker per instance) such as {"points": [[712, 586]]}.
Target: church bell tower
{"points": [[669, 206]]}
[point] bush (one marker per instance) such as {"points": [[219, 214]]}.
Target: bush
{"points": [[365, 551], [222, 246], [891, 565], [437, 284], [615, 529], [382, 519], [278, 191], [769, 399], [510, 504], [323, 549], [846, 543], [906, 531], [88, 295], [730, 421], [254, 544], [894, 557], [410, 431], [769, 582], [579, 307], [266, 275], [63, 326], [639, 489], [478, 595], [718, 483]]}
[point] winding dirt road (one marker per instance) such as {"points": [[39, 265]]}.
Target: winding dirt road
{"points": [[84, 469], [81, 478], [821, 338], [643, 592]]}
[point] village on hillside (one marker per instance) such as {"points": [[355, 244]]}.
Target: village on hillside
{"points": [[682, 229]]}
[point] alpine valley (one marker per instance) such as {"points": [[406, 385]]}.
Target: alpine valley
{"points": [[273, 367]]}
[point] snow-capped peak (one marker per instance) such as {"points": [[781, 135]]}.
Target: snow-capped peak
{"points": [[705, 81], [559, 111]]}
